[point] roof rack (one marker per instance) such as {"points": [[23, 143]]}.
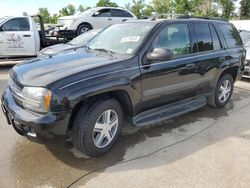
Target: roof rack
{"points": [[156, 15], [201, 17]]}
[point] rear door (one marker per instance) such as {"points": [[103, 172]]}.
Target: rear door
{"points": [[210, 54], [17, 38]]}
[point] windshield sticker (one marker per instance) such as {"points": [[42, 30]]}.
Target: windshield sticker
{"points": [[130, 39], [129, 51]]}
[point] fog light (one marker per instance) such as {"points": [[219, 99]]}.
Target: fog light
{"points": [[16, 123], [32, 134], [29, 131]]}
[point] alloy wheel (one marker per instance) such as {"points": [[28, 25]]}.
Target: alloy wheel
{"points": [[225, 91], [105, 128]]}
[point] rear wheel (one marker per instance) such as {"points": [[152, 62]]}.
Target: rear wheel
{"points": [[97, 128], [223, 91], [83, 28]]}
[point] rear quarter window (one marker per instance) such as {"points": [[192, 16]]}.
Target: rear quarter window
{"points": [[204, 38], [120, 13], [216, 41], [231, 35]]}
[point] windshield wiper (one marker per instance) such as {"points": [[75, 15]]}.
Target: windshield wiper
{"points": [[46, 54], [111, 53]]}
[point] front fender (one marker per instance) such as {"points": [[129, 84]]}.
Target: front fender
{"points": [[78, 92]]}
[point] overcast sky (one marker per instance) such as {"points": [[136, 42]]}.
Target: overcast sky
{"points": [[17, 7]]}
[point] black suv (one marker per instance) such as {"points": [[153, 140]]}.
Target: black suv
{"points": [[145, 71]]}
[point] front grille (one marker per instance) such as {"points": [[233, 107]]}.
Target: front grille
{"points": [[16, 90]]}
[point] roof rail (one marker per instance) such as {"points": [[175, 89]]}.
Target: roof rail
{"points": [[201, 17], [156, 15]]}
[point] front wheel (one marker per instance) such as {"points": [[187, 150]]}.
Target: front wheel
{"points": [[97, 128], [83, 28], [223, 91]]}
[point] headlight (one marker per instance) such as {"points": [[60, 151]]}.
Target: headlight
{"points": [[36, 99]]}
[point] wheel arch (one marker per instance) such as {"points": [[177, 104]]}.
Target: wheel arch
{"points": [[233, 71], [120, 95]]}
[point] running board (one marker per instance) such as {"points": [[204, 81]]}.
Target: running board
{"points": [[169, 111]]}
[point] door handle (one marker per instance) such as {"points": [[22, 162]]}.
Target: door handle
{"points": [[190, 66], [26, 35], [110, 19]]}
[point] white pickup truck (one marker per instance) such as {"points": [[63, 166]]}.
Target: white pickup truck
{"points": [[20, 37]]}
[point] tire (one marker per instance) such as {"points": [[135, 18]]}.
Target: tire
{"points": [[92, 138], [217, 99], [83, 28]]}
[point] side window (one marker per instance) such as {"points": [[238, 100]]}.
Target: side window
{"points": [[204, 39], [103, 13], [216, 41], [120, 13], [17, 24], [174, 37], [127, 14], [231, 35]]}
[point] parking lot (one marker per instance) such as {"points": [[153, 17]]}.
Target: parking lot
{"points": [[206, 148]]}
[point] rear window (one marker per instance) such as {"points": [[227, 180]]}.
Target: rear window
{"points": [[204, 39], [231, 35]]}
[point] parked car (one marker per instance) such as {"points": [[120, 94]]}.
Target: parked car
{"points": [[19, 37], [144, 71], [241, 24], [79, 41], [245, 35], [94, 18]]}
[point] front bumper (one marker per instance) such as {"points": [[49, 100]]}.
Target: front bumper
{"points": [[40, 128]]}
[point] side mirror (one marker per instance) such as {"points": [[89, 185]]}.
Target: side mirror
{"points": [[160, 54], [96, 13]]}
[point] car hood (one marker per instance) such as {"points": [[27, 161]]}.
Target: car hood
{"points": [[57, 48], [47, 70]]}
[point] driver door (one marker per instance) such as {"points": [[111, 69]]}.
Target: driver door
{"points": [[165, 81], [17, 38]]}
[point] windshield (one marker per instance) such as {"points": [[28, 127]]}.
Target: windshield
{"points": [[2, 19], [84, 38], [121, 38], [89, 11]]}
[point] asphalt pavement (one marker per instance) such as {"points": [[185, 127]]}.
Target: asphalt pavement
{"points": [[205, 148]]}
